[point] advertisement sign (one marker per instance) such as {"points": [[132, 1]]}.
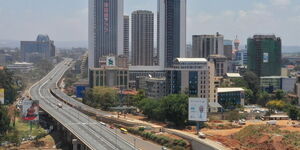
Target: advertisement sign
{"points": [[110, 61], [30, 110], [1, 96], [266, 57], [198, 109]]}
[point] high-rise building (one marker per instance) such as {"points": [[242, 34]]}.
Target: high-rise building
{"points": [[206, 45], [264, 55], [126, 36], [42, 48], [106, 31], [142, 36], [171, 31], [228, 49]]}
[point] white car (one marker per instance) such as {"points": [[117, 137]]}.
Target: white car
{"points": [[59, 105], [102, 123], [201, 135], [272, 122]]}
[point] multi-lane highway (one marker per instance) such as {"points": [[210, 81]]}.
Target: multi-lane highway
{"points": [[88, 131]]}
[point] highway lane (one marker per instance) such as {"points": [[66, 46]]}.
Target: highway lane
{"points": [[87, 130]]}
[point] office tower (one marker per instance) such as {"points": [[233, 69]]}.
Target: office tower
{"points": [[126, 36], [105, 29], [264, 55], [193, 76], [228, 49], [171, 31], [42, 48], [142, 38], [206, 45]]}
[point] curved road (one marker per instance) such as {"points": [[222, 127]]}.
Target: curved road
{"points": [[88, 131]]}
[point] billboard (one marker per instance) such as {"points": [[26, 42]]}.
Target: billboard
{"points": [[1, 96], [110, 61], [197, 109], [30, 110], [266, 57]]}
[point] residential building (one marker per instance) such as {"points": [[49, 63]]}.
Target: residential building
{"points": [[228, 49], [106, 29], [42, 48], [126, 36], [144, 71], [231, 98], [171, 34], [142, 36], [109, 75], [206, 45], [264, 55]]}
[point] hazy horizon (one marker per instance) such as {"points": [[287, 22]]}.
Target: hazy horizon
{"points": [[24, 20]]}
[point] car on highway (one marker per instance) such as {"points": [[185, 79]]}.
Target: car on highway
{"points": [[124, 131], [102, 123], [59, 105]]}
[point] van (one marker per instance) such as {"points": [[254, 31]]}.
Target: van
{"points": [[124, 131]]}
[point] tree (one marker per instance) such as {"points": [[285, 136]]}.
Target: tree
{"points": [[249, 97], [252, 81], [139, 97], [102, 97], [293, 112], [263, 98], [8, 83], [151, 108], [276, 105], [279, 94], [4, 120], [175, 108]]}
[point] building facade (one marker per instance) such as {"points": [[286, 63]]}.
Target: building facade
{"points": [[126, 36], [171, 34], [221, 64], [231, 98], [106, 31], [154, 87], [109, 75], [42, 48], [191, 76], [142, 36], [228, 47], [264, 55], [206, 45]]}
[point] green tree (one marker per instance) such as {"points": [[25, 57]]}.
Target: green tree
{"points": [[137, 98], [4, 120], [248, 96], [252, 82], [263, 98], [102, 97], [293, 112], [151, 108], [8, 83], [279, 94], [175, 108]]}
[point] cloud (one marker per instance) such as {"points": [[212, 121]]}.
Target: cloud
{"points": [[280, 2]]}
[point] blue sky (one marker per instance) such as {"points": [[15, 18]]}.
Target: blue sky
{"points": [[66, 20]]}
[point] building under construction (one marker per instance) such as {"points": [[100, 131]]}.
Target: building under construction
{"points": [[264, 55]]}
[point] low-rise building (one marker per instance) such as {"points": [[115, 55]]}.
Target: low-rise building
{"points": [[220, 63], [109, 75], [154, 87], [272, 83], [230, 98], [20, 66]]}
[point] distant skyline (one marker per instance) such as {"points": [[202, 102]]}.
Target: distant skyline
{"points": [[67, 20]]}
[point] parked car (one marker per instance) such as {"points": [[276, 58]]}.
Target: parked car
{"points": [[201, 135]]}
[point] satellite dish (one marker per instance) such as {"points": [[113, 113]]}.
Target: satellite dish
{"points": [[150, 76]]}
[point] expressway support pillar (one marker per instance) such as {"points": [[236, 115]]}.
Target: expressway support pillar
{"points": [[75, 143]]}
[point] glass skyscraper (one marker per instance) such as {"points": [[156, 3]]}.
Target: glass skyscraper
{"points": [[171, 31], [105, 29]]}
